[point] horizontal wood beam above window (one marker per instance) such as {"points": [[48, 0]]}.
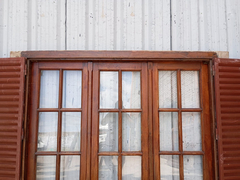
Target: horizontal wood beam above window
{"points": [[120, 55]]}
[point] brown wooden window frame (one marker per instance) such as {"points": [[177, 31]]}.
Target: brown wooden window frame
{"points": [[150, 64], [203, 110]]}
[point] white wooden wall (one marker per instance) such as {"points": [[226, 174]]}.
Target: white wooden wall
{"points": [[190, 25]]}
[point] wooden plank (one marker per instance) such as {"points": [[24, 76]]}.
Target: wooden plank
{"points": [[156, 157], [119, 55], [150, 119], [207, 123]]}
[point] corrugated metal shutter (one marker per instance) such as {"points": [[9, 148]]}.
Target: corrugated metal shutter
{"points": [[227, 89], [11, 116]]}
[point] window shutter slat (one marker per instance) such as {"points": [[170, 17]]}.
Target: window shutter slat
{"points": [[227, 93], [11, 116]]}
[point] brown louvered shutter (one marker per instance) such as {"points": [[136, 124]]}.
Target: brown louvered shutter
{"points": [[11, 116], [227, 95]]}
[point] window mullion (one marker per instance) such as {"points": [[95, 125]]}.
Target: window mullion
{"points": [[180, 124]]}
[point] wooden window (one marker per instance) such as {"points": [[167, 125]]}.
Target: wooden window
{"points": [[57, 134], [140, 119], [120, 144], [181, 121]]}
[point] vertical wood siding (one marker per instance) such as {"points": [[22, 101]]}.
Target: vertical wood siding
{"points": [[189, 25]]}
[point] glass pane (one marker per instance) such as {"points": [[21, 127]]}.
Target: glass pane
{"points": [[168, 123], [167, 89], [131, 167], [47, 131], [70, 168], [169, 167], [49, 89], [131, 131], [193, 167], [72, 89], [191, 131], [109, 89], [131, 90], [108, 132], [71, 131], [46, 167], [190, 89], [108, 168]]}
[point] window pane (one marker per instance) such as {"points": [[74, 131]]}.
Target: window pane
{"points": [[108, 168], [131, 131], [46, 167], [70, 168], [109, 89], [108, 132], [72, 89], [191, 131], [169, 167], [131, 167], [190, 89], [47, 131], [131, 90], [168, 122], [167, 89], [49, 89], [193, 167], [71, 131]]}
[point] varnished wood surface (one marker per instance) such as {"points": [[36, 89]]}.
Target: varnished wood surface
{"points": [[119, 67], [150, 122], [34, 113], [124, 55], [206, 131]]}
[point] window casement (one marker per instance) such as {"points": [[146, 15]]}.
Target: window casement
{"points": [[120, 115], [57, 143], [181, 121]]}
